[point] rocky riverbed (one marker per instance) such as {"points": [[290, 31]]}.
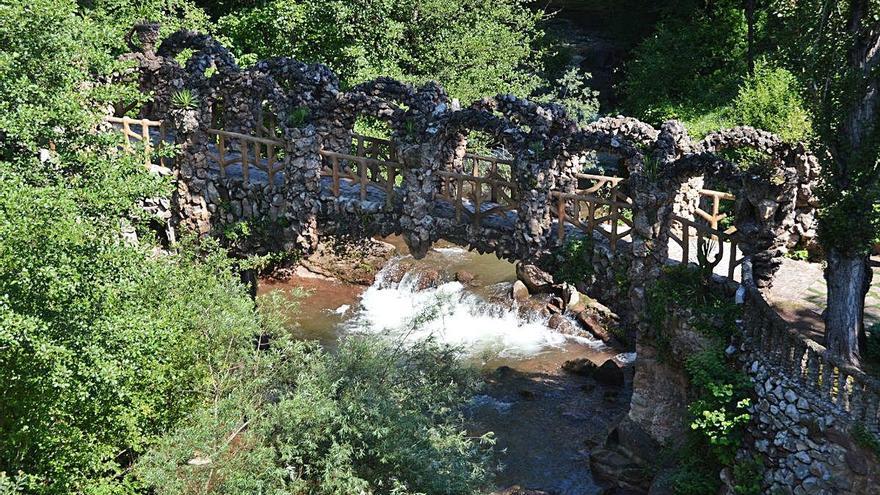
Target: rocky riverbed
{"points": [[554, 387]]}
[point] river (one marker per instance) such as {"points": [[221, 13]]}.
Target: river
{"points": [[545, 420]]}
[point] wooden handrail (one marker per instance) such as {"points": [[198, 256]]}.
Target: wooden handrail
{"points": [[246, 137]]}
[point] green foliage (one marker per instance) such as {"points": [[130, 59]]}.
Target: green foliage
{"points": [[689, 66], [816, 42], [576, 263], [298, 117], [474, 48], [719, 408], [770, 100], [720, 413], [865, 439], [872, 343], [184, 99], [748, 475], [573, 92], [372, 418]]}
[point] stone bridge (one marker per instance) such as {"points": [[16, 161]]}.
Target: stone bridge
{"points": [[275, 143]]}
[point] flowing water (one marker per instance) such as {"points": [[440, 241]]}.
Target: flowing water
{"points": [[545, 421]]}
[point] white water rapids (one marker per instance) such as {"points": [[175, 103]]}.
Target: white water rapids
{"points": [[453, 315]]}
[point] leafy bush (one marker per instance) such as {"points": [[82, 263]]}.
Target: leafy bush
{"points": [[689, 65], [573, 92], [374, 417], [473, 48], [576, 261], [721, 393], [770, 100]]}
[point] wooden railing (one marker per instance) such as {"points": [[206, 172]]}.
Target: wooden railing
{"points": [[719, 248], [232, 148], [463, 190], [715, 216], [360, 170], [599, 206], [148, 131], [373, 147]]}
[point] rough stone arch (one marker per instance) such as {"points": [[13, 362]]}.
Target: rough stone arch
{"points": [[765, 202]]}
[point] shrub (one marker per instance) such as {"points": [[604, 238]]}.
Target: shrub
{"points": [[770, 100], [472, 48], [372, 418], [576, 261], [872, 343], [573, 92]]}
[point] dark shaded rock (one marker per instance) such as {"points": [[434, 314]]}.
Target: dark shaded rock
{"points": [[504, 371], [857, 461], [610, 374], [580, 366], [555, 305], [588, 387], [612, 466], [527, 394], [519, 291], [534, 278]]}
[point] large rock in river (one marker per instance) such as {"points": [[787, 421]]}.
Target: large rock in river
{"points": [[536, 280]]}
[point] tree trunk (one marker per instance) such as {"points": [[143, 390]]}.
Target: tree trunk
{"points": [[848, 279], [750, 20]]}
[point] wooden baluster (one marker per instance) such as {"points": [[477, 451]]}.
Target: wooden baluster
{"points": [[686, 242], [162, 137], [362, 169], [614, 216], [270, 162], [245, 168], [716, 207], [479, 192], [459, 189], [335, 164], [560, 215], [145, 137], [221, 155], [731, 265], [126, 131]]}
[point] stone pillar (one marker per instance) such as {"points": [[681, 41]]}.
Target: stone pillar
{"points": [[302, 188], [190, 203], [419, 187], [534, 178]]}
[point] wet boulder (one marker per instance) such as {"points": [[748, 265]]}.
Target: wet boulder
{"points": [[464, 277], [519, 291], [534, 278]]}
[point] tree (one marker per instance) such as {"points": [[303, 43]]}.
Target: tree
{"points": [[473, 47], [834, 47]]}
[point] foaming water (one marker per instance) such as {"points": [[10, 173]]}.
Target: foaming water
{"points": [[451, 314]]}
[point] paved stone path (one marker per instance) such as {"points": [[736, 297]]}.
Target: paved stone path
{"points": [[799, 293]]}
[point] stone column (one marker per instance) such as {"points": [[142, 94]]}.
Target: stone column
{"points": [[190, 200], [419, 187], [302, 188], [534, 178]]}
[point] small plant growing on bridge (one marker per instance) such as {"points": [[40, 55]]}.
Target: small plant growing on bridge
{"points": [[184, 99], [707, 263], [298, 117], [576, 261]]}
